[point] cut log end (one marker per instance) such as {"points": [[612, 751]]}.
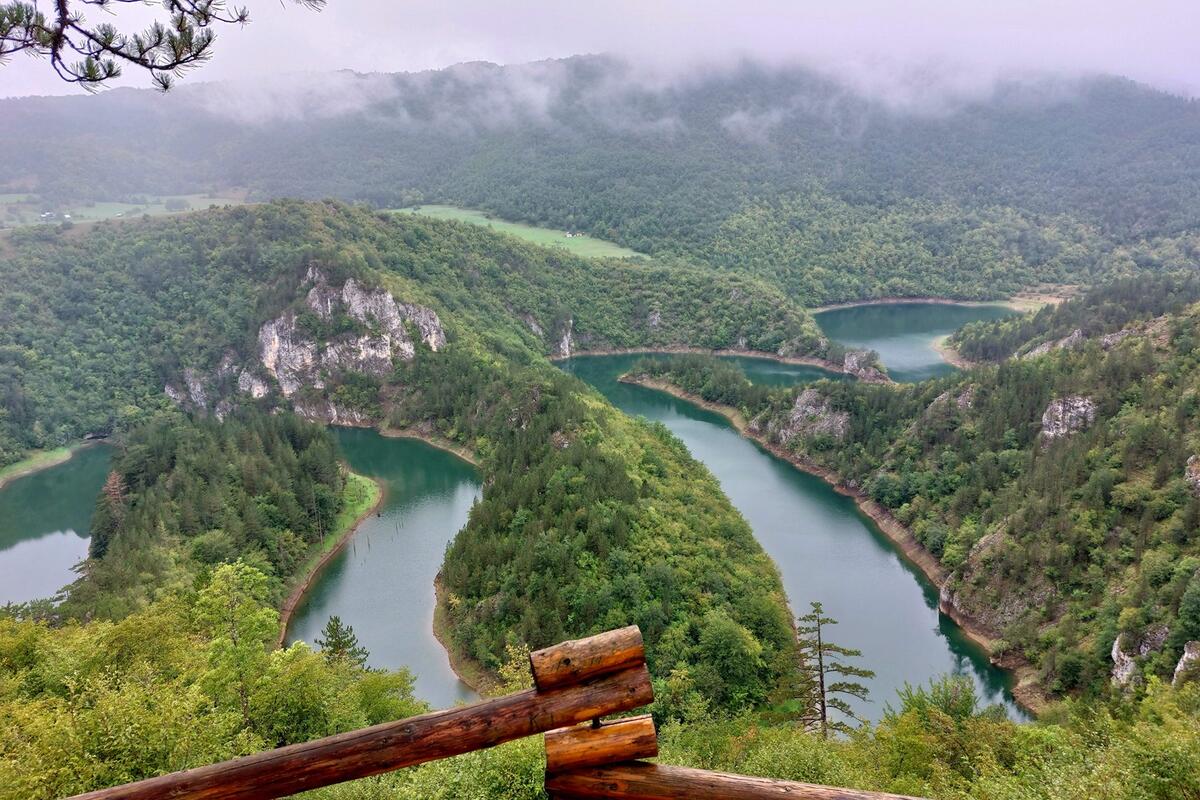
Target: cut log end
{"points": [[582, 659], [611, 743]]}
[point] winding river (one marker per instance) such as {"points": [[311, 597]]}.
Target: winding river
{"points": [[382, 582]]}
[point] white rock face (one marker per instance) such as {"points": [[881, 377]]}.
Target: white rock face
{"points": [[288, 355], [1066, 416], [811, 416], [654, 319], [330, 413], [1191, 473], [295, 360], [1124, 667], [195, 386], [251, 384], [1190, 657], [567, 340], [533, 325], [1072, 340], [1111, 340]]}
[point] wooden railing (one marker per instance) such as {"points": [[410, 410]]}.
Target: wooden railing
{"points": [[575, 682]]}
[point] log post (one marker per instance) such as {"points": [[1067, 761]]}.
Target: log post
{"points": [[638, 780], [582, 659], [610, 743]]}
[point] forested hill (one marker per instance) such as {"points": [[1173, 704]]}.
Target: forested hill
{"points": [[781, 173]]}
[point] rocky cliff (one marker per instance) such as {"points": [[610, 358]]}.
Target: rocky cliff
{"points": [[374, 332]]}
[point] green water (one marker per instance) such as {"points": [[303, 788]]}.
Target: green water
{"points": [[904, 333], [382, 581], [825, 549], [44, 519]]}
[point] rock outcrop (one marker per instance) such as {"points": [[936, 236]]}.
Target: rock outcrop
{"points": [[1189, 663], [859, 363], [294, 359], [1072, 340], [1124, 668], [1066, 416], [1191, 473], [567, 340], [1110, 340], [810, 417]]}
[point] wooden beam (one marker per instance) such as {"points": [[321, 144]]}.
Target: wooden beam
{"points": [[592, 746], [639, 780], [392, 745], [582, 659]]}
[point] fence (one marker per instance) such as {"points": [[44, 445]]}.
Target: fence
{"points": [[577, 683]]}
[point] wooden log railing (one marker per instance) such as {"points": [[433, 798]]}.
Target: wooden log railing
{"points": [[575, 682]]}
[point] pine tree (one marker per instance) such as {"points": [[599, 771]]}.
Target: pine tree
{"points": [[340, 645], [821, 660]]}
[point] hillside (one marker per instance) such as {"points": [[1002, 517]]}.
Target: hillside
{"points": [[778, 172], [1057, 491]]}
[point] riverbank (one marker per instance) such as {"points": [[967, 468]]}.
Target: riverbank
{"points": [[38, 461], [363, 497], [942, 347], [1022, 301], [468, 670], [807, 361], [433, 440], [1026, 690]]}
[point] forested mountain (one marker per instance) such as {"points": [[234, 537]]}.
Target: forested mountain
{"points": [[1059, 491], [781, 172]]}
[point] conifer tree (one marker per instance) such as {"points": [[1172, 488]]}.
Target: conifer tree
{"points": [[340, 645], [822, 688]]}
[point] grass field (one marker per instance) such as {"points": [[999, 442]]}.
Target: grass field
{"points": [[19, 209], [580, 245]]}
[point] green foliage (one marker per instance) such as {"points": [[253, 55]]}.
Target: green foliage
{"points": [[186, 495], [823, 668], [183, 682]]}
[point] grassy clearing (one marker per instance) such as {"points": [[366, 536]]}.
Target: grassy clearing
{"points": [[37, 460], [16, 209], [579, 245]]}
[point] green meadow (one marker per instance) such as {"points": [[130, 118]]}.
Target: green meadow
{"points": [[578, 244], [25, 209]]}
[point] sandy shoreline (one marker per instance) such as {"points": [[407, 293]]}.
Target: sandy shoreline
{"points": [[297, 594], [807, 361], [1026, 692], [942, 347]]}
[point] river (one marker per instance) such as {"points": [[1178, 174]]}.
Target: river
{"points": [[382, 581], [826, 550], [44, 523]]}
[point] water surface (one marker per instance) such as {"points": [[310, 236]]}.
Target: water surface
{"points": [[44, 523], [826, 550], [381, 583], [904, 334]]}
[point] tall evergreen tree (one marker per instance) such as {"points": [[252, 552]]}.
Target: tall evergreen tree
{"points": [[823, 665]]}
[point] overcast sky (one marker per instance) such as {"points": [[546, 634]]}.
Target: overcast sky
{"points": [[871, 42]]}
